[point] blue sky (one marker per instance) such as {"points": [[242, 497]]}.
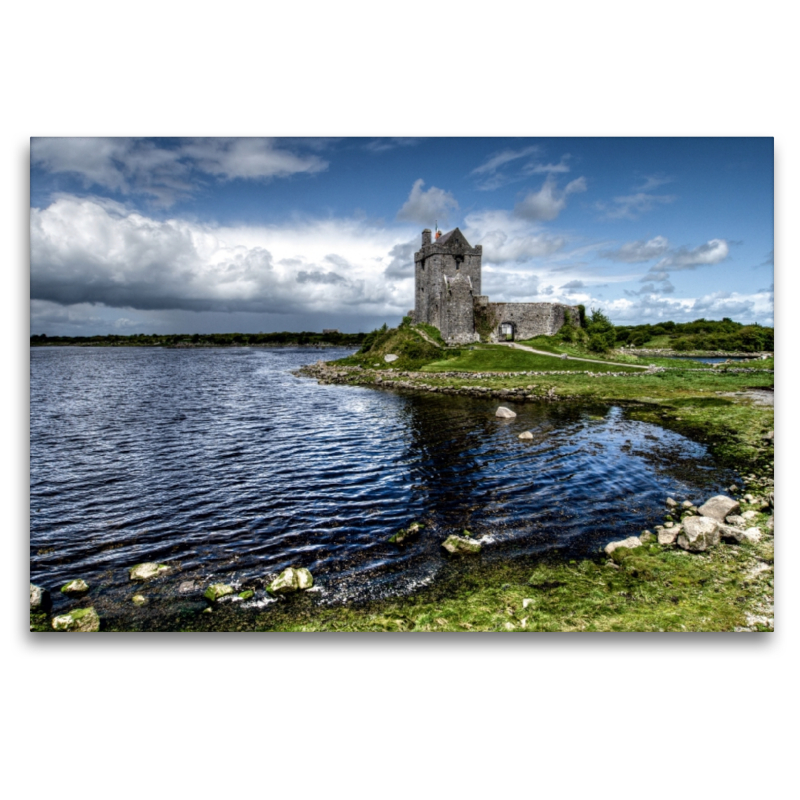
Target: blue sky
{"points": [[202, 235]]}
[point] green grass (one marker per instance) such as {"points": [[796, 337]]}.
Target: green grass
{"points": [[498, 358]]}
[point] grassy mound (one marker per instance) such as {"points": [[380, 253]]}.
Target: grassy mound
{"points": [[412, 349]]}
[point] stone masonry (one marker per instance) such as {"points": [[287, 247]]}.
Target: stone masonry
{"points": [[448, 296]]}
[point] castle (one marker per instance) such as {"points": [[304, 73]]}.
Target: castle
{"points": [[448, 296]]}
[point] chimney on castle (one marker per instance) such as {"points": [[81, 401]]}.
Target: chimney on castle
{"points": [[426, 236]]}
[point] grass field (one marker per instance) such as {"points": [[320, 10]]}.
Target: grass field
{"points": [[498, 358]]}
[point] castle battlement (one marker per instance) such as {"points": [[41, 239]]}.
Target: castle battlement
{"points": [[447, 295]]}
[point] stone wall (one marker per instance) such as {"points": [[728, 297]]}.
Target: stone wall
{"points": [[527, 319]]}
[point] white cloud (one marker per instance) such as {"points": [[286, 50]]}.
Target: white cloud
{"points": [[631, 206], [712, 252], [164, 170], [425, 207], [549, 201], [88, 252], [637, 252]]}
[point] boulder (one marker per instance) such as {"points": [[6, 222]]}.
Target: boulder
{"points": [[39, 597], [668, 537], [699, 533], [404, 534], [80, 620], [390, 357], [292, 579], [216, 591], [670, 503], [752, 535], [669, 524], [686, 504], [78, 586], [748, 515], [460, 545], [735, 519], [527, 435], [146, 571], [719, 507], [630, 543], [505, 413]]}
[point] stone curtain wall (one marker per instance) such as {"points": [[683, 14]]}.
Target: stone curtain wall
{"points": [[528, 319]]}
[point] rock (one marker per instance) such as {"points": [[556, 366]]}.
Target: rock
{"points": [[39, 597], [461, 545], [505, 413], [217, 590], [81, 620], [630, 543], [292, 579], [646, 536], [404, 534], [669, 523], [668, 537], [733, 488], [246, 594], [769, 436], [139, 599], [563, 356], [671, 503], [749, 498], [748, 515], [719, 507], [527, 601], [771, 499], [735, 519], [391, 357], [699, 533], [525, 435], [143, 572], [187, 587], [752, 535], [78, 586], [686, 504]]}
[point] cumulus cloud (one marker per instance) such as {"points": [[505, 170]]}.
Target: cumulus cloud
{"points": [[89, 252], [549, 201], [569, 288], [401, 264], [631, 206], [425, 207], [637, 252], [712, 252], [166, 170]]}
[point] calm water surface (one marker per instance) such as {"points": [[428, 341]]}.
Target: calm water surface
{"points": [[223, 463]]}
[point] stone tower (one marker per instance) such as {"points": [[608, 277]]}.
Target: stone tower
{"points": [[447, 283]]}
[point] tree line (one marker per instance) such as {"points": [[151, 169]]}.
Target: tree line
{"points": [[203, 339]]}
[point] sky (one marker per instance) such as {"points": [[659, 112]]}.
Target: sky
{"points": [[135, 235]]}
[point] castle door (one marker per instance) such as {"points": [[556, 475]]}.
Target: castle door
{"points": [[507, 331]]}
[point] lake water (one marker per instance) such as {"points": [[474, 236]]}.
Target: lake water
{"points": [[226, 465]]}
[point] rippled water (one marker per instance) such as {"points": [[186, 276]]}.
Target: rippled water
{"points": [[225, 464]]}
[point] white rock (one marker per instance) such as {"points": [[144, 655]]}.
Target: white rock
{"points": [[668, 537], [528, 601], [390, 357], [150, 569], [630, 543], [699, 533], [291, 580], [748, 515], [525, 435], [686, 504], [735, 519], [38, 595], [505, 413], [80, 620], [671, 503], [752, 535], [719, 507]]}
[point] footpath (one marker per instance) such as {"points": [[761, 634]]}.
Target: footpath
{"points": [[569, 358]]}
